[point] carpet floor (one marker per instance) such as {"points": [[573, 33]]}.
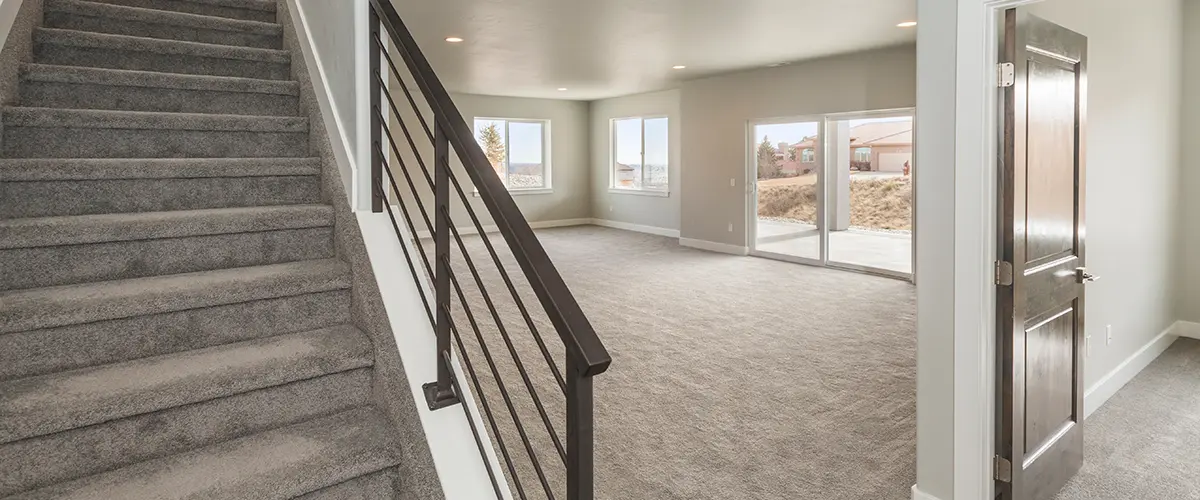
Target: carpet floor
{"points": [[732, 377], [1143, 443]]}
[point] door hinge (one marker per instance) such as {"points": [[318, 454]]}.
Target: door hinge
{"points": [[1002, 469], [1007, 75], [1004, 273]]}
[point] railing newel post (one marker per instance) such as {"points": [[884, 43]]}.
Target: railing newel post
{"points": [[580, 431], [440, 394]]}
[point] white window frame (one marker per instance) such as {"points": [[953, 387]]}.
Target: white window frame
{"points": [[612, 163], [548, 187], [808, 155]]}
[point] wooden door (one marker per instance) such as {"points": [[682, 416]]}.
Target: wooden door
{"points": [[1041, 275]]}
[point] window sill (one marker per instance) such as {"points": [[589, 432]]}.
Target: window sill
{"points": [[524, 192], [640, 192]]}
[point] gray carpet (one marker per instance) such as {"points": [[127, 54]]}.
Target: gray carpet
{"points": [[732, 377], [1144, 443]]}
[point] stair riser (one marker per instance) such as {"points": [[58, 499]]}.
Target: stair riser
{"points": [[124, 98], [32, 142], [92, 57], [382, 484], [199, 8], [43, 199], [39, 267], [51, 350], [81, 452], [79, 22]]}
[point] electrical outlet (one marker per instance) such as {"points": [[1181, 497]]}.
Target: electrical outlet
{"points": [[731, 227], [1108, 335], [610, 208], [1087, 346], [732, 182]]}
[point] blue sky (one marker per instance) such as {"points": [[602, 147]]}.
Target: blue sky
{"points": [[628, 134], [525, 143]]}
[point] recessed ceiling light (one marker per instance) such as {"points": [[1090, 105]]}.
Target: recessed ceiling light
{"points": [[562, 89], [454, 39], [906, 24], [679, 67]]}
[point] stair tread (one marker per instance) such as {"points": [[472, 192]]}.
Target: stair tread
{"points": [[107, 228], [151, 120], [260, 5], [279, 463], [160, 46], [153, 79], [45, 404], [181, 19], [36, 308], [80, 169]]}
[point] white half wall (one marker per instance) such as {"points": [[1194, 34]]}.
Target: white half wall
{"points": [[635, 208]]}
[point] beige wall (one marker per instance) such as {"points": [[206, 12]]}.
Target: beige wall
{"points": [[1188, 305], [717, 111], [568, 152], [1134, 96], [568, 157], [642, 210]]}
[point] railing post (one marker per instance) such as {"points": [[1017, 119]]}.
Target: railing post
{"points": [[580, 447], [440, 394], [377, 189]]}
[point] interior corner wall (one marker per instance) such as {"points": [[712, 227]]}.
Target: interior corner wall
{"points": [[716, 112], [637, 209], [1133, 169], [1188, 303]]}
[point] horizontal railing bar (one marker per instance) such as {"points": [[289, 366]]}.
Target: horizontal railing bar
{"points": [[512, 289], [412, 187], [487, 410], [512, 350], [412, 267], [512, 410], [404, 128], [408, 218], [407, 93], [556, 298], [474, 429]]}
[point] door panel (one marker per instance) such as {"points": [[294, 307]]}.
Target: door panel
{"points": [[1041, 313]]}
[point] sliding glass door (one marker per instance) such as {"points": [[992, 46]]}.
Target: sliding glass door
{"points": [[836, 191], [786, 169]]}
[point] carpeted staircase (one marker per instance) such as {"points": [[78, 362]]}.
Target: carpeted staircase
{"points": [[174, 322]]}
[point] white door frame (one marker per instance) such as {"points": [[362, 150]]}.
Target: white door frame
{"points": [[752, 188], [957, 109]]}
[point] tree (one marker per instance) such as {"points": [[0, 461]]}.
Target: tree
{"points": [[791, 154], [768, 163], [493, 147]]}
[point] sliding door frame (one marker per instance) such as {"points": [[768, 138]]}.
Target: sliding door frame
{"points": [[752, 190], [823, 121], [890, 273]]}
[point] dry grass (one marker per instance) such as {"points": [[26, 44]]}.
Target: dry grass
{"points": [[875, 203]]}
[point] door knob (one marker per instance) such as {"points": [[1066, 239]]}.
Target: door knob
{"points": [[1083, 276]]}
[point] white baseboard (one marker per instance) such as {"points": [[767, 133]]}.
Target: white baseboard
{"points": [[1187, 329], [545, 224], [660, 231], [1100, 392], [712, 246], [917, 494]]}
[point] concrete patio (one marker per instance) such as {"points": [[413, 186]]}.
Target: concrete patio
{"points": [[880, 250]]}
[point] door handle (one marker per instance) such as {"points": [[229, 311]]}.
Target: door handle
{"points": [[1083, 276]]}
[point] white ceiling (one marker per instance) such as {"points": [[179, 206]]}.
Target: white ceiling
{"points": [[607, 48]]}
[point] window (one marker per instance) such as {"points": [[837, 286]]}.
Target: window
{"points": [[517, 150], [862, 154], [640, 147], [808, 156]]}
